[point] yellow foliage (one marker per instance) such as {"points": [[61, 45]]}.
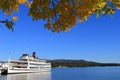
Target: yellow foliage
{"points": [[22, 1], [117, 2], [61, 15], [118, 5]]}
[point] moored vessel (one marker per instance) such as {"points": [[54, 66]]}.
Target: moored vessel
{"points": [[26, 64]]}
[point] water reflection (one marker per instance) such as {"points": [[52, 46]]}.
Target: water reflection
{"points": [[27, 76], [3, 77]]}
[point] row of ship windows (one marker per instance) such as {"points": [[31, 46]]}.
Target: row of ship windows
{"points": [[39, 64], [39, 67]]}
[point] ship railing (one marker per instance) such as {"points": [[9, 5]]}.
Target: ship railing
{"points": [[21, 65], [18, 61]]}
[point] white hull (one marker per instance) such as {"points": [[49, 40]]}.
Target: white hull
{"points": [[18, 71]]}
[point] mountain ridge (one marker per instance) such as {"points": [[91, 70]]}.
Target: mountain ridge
{"points": [[78, 63]]}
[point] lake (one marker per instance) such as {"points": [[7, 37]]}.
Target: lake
{"points": [[81, 73]]}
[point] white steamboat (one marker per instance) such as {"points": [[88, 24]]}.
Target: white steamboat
{"points": [[26, 64]]}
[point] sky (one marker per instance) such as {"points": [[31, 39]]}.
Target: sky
{"points": [[97, 39]]}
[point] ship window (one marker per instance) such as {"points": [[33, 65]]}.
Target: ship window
{"points": [[34, 64], [33, 67]]}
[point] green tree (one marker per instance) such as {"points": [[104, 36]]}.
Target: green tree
{"points": [[60, 15]]}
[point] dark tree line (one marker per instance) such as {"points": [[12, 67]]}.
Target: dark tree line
{"points": [[79, 63]]}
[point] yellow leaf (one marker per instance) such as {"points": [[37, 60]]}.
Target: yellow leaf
{"points": [[29, 4], [14, 18], [22, 1], [118, 5]]}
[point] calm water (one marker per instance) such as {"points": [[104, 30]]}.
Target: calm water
{"points": [[85, 73]]}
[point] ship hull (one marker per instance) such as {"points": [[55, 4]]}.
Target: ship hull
{"points": [[19, 71]]}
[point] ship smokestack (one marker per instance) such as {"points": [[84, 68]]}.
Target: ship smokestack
{"points": [[34, 54]]}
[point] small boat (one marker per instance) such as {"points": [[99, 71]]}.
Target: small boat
{"points": [[26, 64]]}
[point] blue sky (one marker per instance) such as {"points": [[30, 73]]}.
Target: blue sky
{"points": [[97, 39]]}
